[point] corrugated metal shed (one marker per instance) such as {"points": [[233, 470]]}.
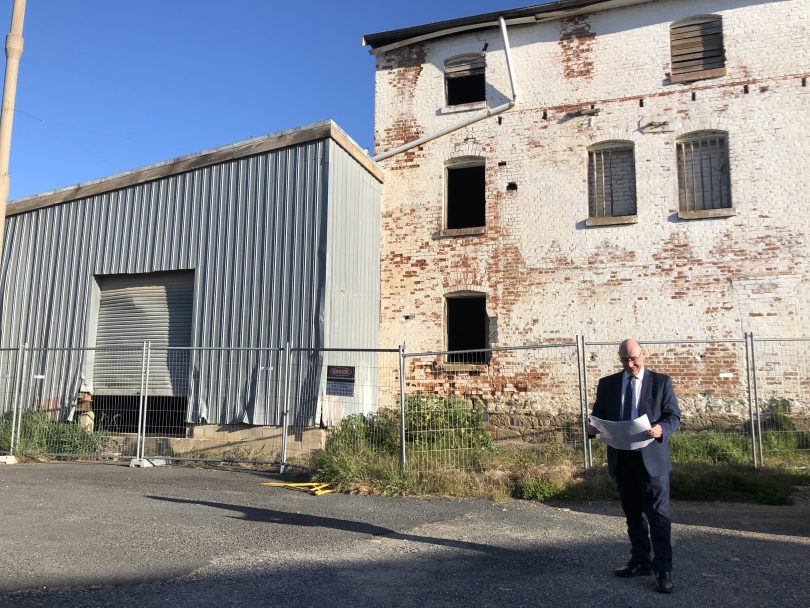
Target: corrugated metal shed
{"points": [[281, 233]]}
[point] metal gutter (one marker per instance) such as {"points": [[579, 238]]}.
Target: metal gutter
{"points": [[472, 119], [393, 39], [448, 32]]}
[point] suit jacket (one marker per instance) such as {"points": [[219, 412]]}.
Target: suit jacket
{"points": [[658, 401]]}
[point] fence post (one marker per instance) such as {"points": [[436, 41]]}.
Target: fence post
{"points": [[757, 408], [16, 419], [140, 446], [140, 402], [285, 412], [583, 400], [402, 406], [142, 430], [749, 382]]}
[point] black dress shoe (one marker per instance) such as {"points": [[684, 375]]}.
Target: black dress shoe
{"points": [[664, 582], [632, 569]]}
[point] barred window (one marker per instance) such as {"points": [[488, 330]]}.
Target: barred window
{"points": [[611, 179], [703, 174], [464, 78], [697, 49]]}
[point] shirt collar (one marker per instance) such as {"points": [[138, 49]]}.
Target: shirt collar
{"points": [[640, 376]]}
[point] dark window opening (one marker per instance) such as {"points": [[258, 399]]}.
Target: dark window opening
{"points": [[466, 200], [165, 416], [468, 89], [465, 80], [467, 329]]}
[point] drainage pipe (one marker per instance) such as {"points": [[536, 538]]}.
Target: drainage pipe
{"points": [[472, 119]]}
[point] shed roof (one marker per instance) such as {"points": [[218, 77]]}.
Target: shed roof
{"points": [[258, 145], [537, 12]]}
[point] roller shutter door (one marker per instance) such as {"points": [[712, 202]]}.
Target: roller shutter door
{"points": [[144, 307]]}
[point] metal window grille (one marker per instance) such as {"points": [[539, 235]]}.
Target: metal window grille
{"points": [[703, 172], [611, 182]]}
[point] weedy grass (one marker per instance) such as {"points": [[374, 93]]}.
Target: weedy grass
{"points": [[41, 436], [449, 453]]}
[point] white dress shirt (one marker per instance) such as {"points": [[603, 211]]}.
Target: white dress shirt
{"points": [[637, 392]]}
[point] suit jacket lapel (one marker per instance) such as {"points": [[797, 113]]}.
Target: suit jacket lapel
{"points": [[616, 414], [646, 392]]}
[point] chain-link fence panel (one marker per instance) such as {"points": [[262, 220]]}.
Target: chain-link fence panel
{"points": [[55, 416], [460, 404], [710, 379], [783, 399], [218, 404], [349, 397], [259, 405], [9, 376]]}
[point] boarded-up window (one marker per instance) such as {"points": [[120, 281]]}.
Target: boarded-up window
{"points": [[611, 180], [697, 48], [703, 173], [464, 78]]}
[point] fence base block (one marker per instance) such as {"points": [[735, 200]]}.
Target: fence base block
{"points": [[148, 462], [8, 460]]}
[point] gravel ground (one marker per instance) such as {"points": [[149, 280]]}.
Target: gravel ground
{"points": [[98, 535]]}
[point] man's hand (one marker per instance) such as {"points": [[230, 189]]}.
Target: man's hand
{"points": [[655, 432], [592, 430]]}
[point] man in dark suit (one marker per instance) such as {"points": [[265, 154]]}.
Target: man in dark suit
{"points": [[642, 476]]}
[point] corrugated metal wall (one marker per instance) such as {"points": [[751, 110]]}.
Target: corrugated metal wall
{"points": [[254, 231], [352, 282]]}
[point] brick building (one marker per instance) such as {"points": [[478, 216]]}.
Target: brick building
{"points": [[651, 178]]}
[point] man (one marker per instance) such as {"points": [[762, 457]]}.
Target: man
{"points": [[642, 476]]}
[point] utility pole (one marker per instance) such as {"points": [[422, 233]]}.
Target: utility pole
{"points": [[14, 49]]}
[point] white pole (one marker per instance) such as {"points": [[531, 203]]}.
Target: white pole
{"points": [[14, 49]]}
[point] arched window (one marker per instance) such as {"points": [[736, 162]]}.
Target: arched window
{"points": [[611, 179], [465, 79], [696, 45], [703, 171]]}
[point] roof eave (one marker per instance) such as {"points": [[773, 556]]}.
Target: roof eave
{"points": [[386, 41], [326, 129]]}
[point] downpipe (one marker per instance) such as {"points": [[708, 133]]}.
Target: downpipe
{"points": [[479, 116]]}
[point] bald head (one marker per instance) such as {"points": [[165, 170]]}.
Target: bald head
{"points": [[632, 356]]}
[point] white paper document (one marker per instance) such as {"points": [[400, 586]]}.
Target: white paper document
{"points": [[625, 435]]}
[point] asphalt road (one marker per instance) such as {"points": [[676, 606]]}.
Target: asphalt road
{"points": [[98, 535]]}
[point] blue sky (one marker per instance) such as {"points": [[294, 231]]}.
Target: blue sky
{"points": [[111, 85]]}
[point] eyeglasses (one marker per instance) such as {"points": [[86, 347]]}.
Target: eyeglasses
{"points": [[629, 359]]}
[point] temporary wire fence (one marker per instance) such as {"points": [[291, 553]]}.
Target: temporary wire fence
{"points": [[743, 400]]}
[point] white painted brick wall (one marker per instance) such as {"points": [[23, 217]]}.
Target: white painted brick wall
{"points": [[547, 276]]}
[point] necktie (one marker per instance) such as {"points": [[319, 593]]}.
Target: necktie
{"points": [[627, 412]]}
